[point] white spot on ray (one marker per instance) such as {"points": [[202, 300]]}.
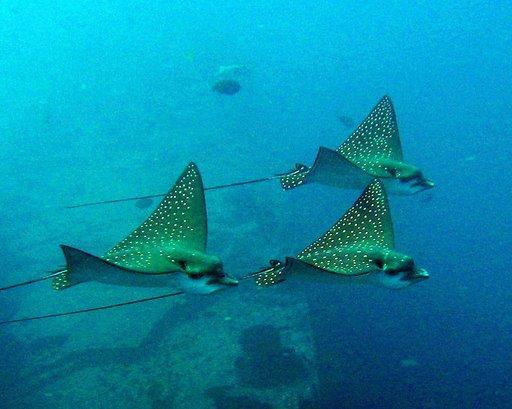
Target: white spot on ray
{"points": [[293, 180]]}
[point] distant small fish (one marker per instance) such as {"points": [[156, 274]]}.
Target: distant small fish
{"points": [[226, 87], [408, 363], [346, 121], [232, 71], [144, 203], [190, 56]]}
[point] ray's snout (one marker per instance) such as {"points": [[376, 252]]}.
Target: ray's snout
{"points": [[220, 277], [420, 274], [421, 183], [429, 183], [227, 280]]}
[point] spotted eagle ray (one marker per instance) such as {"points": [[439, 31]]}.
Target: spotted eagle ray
{"points": [[170, 246], [372, 150], [358, 248]]}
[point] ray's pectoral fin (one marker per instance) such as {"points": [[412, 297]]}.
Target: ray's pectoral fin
{"points": [[376, 138], [178, 224], [82, 267], [79, 268], [332, 169]]}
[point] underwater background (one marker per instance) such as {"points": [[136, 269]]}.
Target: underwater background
{"points": [[108, 99]]}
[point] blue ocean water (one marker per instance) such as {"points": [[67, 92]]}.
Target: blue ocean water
{"points": [[109, 99]]}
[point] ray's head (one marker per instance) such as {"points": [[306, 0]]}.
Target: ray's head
{"points": [[415, 181], [395, 270], [203, 274], [406, 179], [205, 283]]}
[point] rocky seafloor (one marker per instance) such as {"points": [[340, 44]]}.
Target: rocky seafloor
{"points": [[245, 349]]}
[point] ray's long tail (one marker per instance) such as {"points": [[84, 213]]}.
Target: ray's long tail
{"points": [[54, 274]]}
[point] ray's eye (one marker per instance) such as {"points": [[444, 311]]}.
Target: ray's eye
{"points": [[379, 263], [392, 171], [182, 264]]}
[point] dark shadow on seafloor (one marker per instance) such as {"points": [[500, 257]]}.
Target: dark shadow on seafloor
{"points": [[330, 392], [338, 387], [16, 389], [18, 355], [98, 357], [158, 398], [222, 399], [265, 362]]}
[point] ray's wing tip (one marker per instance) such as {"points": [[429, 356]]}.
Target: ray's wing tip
{"points": [[385, 103], [64, 247], [68, 250], [192, 165], [193, 169]]}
